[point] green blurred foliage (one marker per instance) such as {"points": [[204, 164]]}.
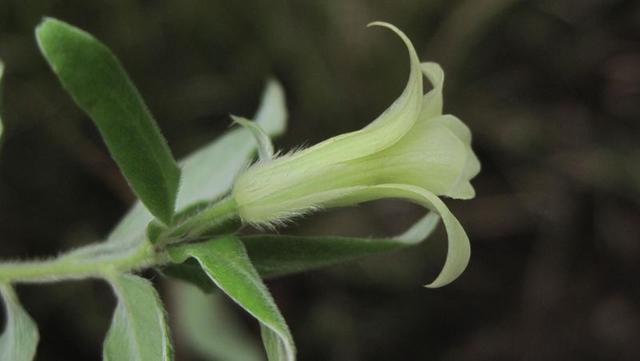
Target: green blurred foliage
{"points": [[550, 89]]}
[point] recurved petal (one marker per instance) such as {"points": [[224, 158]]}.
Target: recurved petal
{"points": [[384, 131], [458, 249], [432, 101]]}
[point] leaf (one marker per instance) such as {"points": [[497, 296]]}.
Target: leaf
{"points": [[19, 340], [189, 271], [226, 263], [278, 255], [100, 86], [209, 172], [138, 331], [206, 323]]}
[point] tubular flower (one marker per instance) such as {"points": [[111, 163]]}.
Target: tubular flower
{"points": [[411, 151]]}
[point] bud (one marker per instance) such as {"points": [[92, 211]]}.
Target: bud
{"points": [[411, 151]]}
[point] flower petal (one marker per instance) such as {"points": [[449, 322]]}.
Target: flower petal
{"points": [[383, 132], [461, 188], [431, 156], [458, 249], [432, 101], [456, 126], [265, 184]]}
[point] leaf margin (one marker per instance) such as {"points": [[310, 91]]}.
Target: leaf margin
{"points": [[16, 318]]}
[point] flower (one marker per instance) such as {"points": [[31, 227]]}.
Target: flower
{"points": [[410, 151]]}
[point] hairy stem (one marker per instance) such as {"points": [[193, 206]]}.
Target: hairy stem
{"points": [[219, 218], [69, 268], [103, 260]]}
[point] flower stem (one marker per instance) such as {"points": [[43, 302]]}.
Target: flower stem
{"points": [[219, 218]]}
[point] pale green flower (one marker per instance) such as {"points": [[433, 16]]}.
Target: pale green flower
{"points": [[411, 151]]}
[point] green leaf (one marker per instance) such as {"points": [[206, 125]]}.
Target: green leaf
{"points": [[189, 271], [205, 322], [278, 255], [226, 263], [100, 86], [209, 172], [19, 340], [139, 331]]}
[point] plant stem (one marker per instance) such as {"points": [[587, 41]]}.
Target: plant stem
{"points": [[69, 268], [219, 218], [103, 260]]}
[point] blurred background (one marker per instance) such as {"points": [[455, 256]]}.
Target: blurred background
{"points": [[550, 89]]}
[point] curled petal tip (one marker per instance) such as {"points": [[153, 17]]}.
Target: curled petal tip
{"points": [[390, 27], [433, 285], [403, 36], [379, 23]]}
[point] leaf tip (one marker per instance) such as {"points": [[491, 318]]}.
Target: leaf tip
{"points": [[45, 31], [47, 24]]}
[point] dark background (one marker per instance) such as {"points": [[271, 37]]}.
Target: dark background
{"points": [[550, 89]]}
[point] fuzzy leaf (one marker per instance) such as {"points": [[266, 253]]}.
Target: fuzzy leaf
{"points": [[209, 172], [139, 331], [206, 323], [278, 255], [190, 272], [226, 263], [100, 86], [19, 340]]}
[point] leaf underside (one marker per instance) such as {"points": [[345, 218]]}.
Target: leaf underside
{"points": [[138, 331], [209, 329], [280, 255], [19, 340], [226, 263]]}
